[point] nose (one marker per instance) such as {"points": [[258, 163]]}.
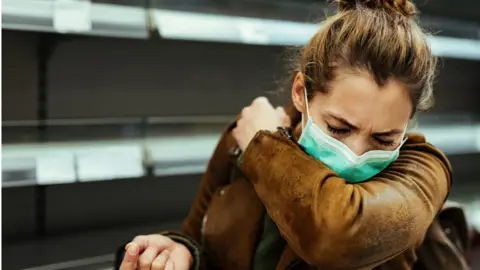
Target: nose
{"points": [[358, 146]]}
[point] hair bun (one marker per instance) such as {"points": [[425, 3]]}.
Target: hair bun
{"points": [[405, 7]]}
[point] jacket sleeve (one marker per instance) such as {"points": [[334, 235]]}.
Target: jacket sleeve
{"points": [[336, 225], [218, 170], [217, 174]]}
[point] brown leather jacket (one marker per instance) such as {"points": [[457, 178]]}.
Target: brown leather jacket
{"points": [[327, 223], [447, 241]]}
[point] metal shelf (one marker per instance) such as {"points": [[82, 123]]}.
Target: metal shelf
{"points": [[63, 163], [174, 153], [236, 29], [134, 22], [106, 19]]}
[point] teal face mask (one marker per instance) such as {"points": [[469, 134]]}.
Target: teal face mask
{"points": [[338, 157]]}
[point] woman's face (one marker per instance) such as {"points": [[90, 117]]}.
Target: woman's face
{"points": [[357, 112]]}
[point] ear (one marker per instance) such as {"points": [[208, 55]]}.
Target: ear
{"points": [[298, 95]]}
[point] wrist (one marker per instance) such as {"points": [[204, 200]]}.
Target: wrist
{"points": [[186, 250], [193, 248]]}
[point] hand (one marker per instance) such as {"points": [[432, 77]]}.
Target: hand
{"points": [[260, 115], [155, 252]]}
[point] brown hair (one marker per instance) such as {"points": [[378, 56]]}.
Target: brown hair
{"points": [[377, 36]]}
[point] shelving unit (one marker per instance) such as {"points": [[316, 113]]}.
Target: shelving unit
{"points": [[63, 177], [212, 27]]}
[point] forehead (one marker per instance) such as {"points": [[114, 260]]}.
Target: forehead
{"points": [[362, 102]]}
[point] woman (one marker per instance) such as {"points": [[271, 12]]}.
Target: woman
{"points": [[336, 192]]}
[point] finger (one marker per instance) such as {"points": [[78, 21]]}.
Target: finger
{"points": [[161, 261], [285, 118], [261, 100], [245, 111], [281, 111], [130, 259], [170, 265], [147, 257], [160, 241], [180, 259], [141, 241], [240, 122]]}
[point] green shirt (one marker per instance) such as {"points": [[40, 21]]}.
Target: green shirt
{"points": [[270, 246]]}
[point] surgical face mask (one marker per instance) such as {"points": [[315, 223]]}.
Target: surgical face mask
{"points": [[338, 157]]}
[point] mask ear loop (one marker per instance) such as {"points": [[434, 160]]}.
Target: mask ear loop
{"points": [[306, 106], [404, 137]]}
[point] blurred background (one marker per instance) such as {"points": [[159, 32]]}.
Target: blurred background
{"points": [[112, 108]]}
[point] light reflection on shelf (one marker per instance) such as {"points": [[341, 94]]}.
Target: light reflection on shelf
{"points": [[175, 153]]}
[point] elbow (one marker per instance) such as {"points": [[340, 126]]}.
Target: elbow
{"points": [[337, 257], [331, 258], [340, 251], [332, 251]]}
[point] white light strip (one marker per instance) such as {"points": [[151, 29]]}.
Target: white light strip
{"points": [[455, 47], [472, 210], [221, 28], [210, 27], [453, 139], [477, 132]]}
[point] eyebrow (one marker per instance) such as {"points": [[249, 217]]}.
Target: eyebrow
{"points": [[342, 120], [352, 126], [388, 133]]}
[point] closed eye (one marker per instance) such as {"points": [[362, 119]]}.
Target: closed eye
{"points": [[383, 142], [336, 130]]}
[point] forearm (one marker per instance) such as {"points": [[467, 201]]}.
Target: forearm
{"points": [[338, 225]]}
